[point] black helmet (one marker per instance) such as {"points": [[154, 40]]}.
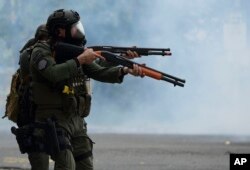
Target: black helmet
{"points": [[66, 19], [61, 18], [41, 32]]}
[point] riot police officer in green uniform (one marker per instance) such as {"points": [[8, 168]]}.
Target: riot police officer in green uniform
{"points": [[38, 161], [59, 91]]}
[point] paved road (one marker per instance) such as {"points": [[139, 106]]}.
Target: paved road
{"points": [[147, 152]]}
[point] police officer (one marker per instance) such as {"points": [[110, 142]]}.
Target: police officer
{"points": [[38, 161], [59, 90]]}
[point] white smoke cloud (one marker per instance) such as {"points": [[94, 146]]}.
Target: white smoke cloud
{"points": [[209, 51], [215, 98]]}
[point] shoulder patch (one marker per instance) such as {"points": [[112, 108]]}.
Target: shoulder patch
{"points": [[42, 64]]}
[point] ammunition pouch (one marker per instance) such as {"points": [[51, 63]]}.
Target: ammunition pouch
{"points": [[42, 137], [84, 105]]}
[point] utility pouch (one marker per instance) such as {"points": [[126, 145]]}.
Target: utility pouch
{"points": [[27, 141], [69, 104], [84, 105], [24, 138]]}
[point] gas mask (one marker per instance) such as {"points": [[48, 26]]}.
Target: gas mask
{"points": [[75, 34]]}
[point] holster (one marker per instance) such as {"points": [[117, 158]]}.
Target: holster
{"points": [[27, 141]]}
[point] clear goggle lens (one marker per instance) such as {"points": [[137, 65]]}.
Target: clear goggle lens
{"points": [[77, 30]]}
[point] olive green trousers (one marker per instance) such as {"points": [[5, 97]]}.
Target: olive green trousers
{"points": [[39, 161], [66, 158], [78, 159]]}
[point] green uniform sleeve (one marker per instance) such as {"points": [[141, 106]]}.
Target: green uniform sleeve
{"points": [[104, 63], [103, 74], [45, 65]]}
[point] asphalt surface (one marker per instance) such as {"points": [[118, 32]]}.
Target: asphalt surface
{"points": [[145, 152]]}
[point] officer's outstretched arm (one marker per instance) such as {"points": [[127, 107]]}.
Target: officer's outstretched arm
{"points": [[103, 74]]}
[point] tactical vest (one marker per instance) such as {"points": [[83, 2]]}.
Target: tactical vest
{"points": [[61, 100]]}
